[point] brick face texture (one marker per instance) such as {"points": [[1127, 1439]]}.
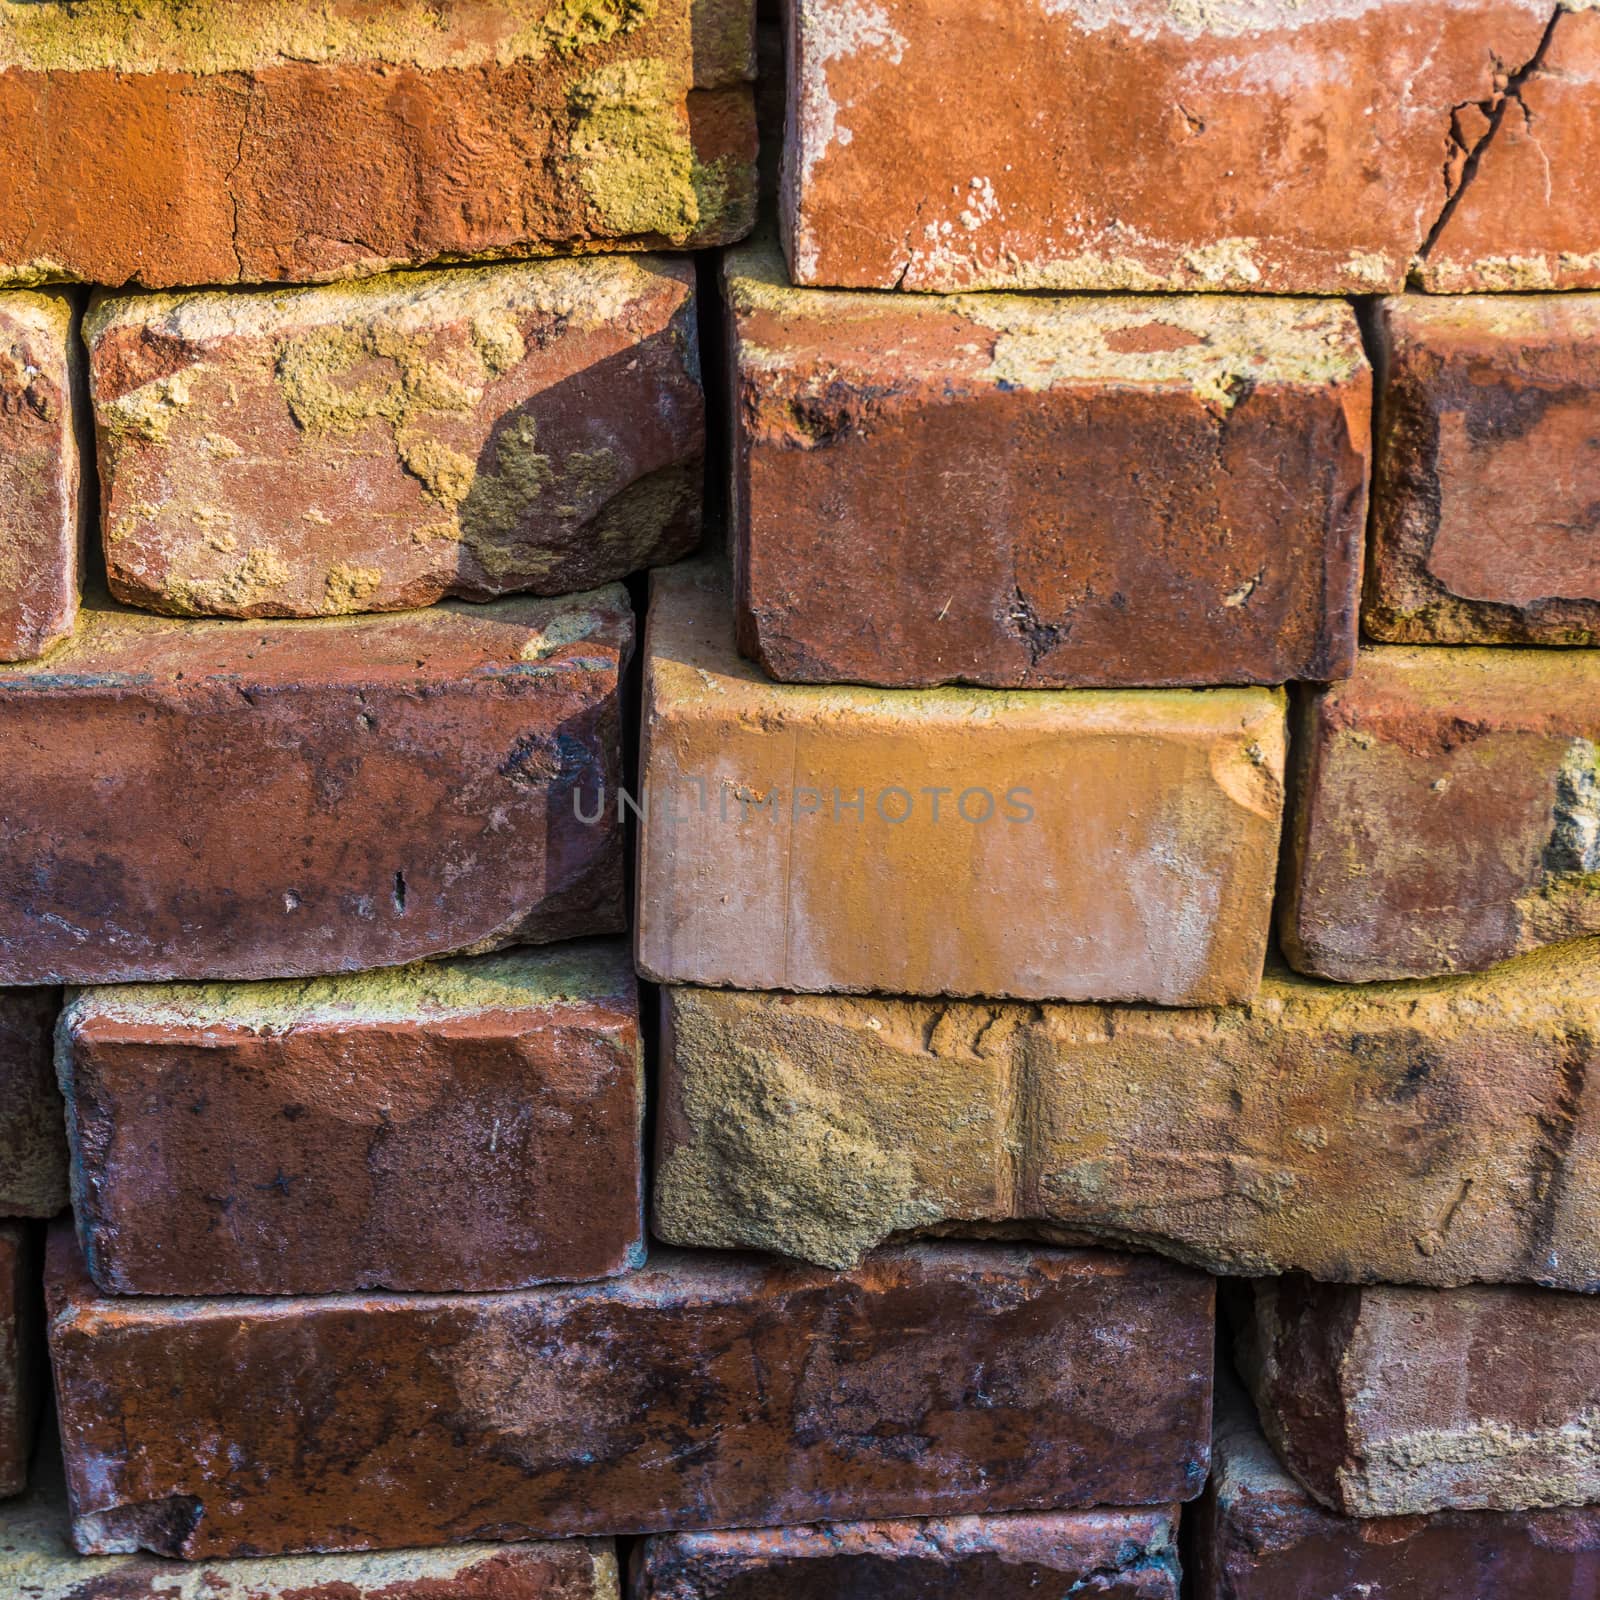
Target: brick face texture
{"points": [[1123, 1555], [1448, 813], [33, 1146], [1087, 845], [354, 793], [1485, 514], [1262, 145], [21, 1352], [378, 446], [39, 475], [699, 1391], [266, 142], [469, 1125], [1032, 493], [1420, 1133]]}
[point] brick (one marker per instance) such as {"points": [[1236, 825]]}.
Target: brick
{"points": [[1430, 1133], [1385, 1401], [1124, 1555], [1257, 1535], [700, 1391], [40, 522], [271, 142], [1483, 527], [33, 1142], [37, 1562], [468, 1125], [377, 446], [1447, 813], [245, 800], [1026, 492], [22, 1379], [1088, 845], [1280, 146]]}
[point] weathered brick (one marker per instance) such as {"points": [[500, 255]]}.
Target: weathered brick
{"points": [[243, 800], [1394, 1132], [37, 1562], [1288, 146], [1256, 1535], [22, 1379], [1087, 845], [1447, 812], [699, 1391], [1026, 493], [473, 1124], [40, 524], [1484, 510], [33, 1142], [376, 446], [1123, 1555], [269, 141], [1387, 1401]]}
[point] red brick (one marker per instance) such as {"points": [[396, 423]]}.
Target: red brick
{"points": [[700, 1391], [1256, 1535], [249, 800], [40, 526], [1122, 1555], [1446, 814], [377, 446], [1286, 146], [33, 1144], [473, 1124], [1023, 492], [1485, 515], [22, 1380], [269, 141], [1388, 1401], [37, 1562]]}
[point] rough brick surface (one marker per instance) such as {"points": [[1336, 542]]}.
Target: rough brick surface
{"points": [[272, 141], [1122, 1555], [37, 1562], [1256, 1535], [1302, 146], [1485, 515], [241, 800], [1429, 1133], [472, 1124], [1447, 812], [33, 1145], [40, 533], [22, 1379], [1394, 1401], [697, 1392], [376, 446], [1088, 845], [1025, 492]]}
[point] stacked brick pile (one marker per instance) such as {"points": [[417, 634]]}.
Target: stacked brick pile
{"points": [[1118, 827]]}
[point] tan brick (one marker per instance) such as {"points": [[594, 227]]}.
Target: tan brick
{"points": [[463, 1125], [1484, 511], [1286, 146], [1088, 845], [701, 1391], [1122, 1555], [282, 799], [41, 535], [1447, 813], [1038, 492], [377, 446], [1421, 1133], [1395, 1402], [271, 141], [33, 1140], [22, 1378]]}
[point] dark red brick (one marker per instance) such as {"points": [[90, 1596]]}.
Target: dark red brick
{"points": [[701, 1391], [33, 1142], [22, 1379]]}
